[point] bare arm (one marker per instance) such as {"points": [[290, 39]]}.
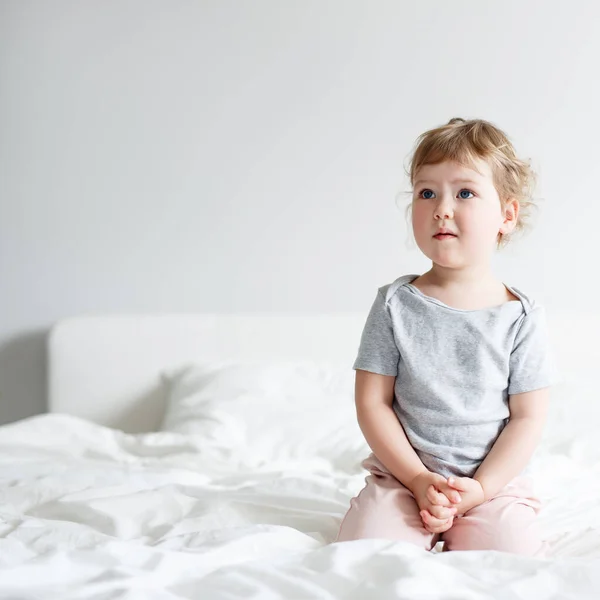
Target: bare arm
{"points": [[374, 395], [385, 435], [517, 442]]}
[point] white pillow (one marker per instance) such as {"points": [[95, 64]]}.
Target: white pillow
{"points": [[258, 413]]}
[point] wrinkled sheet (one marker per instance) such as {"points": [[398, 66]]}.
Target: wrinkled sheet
{"points": [[90, 512]]}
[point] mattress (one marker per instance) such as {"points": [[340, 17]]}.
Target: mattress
{"points": [[87, 511]]}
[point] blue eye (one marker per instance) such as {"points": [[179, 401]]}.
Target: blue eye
{"points": [[465, 197], [427, 194]]}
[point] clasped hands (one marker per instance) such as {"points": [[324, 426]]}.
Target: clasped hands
{"points": [[441, 499]]}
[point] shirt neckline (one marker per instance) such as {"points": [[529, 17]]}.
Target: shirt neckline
{"points": [[433, 300]]}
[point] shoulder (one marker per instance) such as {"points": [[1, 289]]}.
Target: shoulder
{"points": [[391, 290], [531, 323], [529, 305]]}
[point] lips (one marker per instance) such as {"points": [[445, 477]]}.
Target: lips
{"points": [[444, 234]]}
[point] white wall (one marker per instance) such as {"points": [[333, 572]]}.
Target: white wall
{"points": [[246, 155]]}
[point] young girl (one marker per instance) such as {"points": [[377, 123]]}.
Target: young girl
{"points": [[453, 371]]}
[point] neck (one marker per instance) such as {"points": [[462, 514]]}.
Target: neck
{"points": [[472, 276]]}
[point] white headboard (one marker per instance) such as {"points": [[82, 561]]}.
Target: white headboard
{"points": [[107, 368]]}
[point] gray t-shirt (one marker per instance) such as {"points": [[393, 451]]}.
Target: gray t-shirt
{"points": [[455, 369]]}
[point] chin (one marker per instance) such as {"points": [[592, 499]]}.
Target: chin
{"points": [[443, 259]]}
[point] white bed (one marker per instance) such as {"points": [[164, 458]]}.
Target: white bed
{"points": [[92, 507]]}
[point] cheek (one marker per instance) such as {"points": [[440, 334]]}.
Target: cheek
{"points": [[420, 215], [481, 222]]}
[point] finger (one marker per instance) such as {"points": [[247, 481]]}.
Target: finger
{"points": [[442, 499], [441, 512], [430, 520], [438, 530], [441, 483], [439, 480], [436, 497], [441, 528], [452, 495], [458, 483], [431, 495], [455, 497]]}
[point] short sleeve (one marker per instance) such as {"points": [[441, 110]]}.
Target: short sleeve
{"points": [[378, 351], [531, 364]]}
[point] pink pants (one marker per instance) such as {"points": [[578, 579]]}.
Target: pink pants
{"points": [[386, 509]]}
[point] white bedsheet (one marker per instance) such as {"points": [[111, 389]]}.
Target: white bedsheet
{"points": [[89, 512]]}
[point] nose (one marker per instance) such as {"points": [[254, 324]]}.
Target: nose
{"points": [[444, 208]]}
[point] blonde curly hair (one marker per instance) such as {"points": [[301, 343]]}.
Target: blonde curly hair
{"points": [[465, 141]]}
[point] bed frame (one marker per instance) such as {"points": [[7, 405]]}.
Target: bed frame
{"points": [[108, 368]]}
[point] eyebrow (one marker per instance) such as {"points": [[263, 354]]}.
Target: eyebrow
{"points": [[421, 181]]}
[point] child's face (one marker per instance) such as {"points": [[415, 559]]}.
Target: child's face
{"points": [[463, 202]]}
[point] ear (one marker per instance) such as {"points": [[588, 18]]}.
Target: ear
{"points": [[511, 214]]}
